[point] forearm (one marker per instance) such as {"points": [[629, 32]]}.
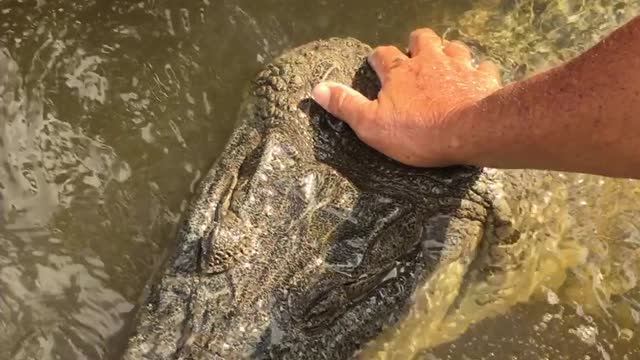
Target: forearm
{"points": [[583, 116]]}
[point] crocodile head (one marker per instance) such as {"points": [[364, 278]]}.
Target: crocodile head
{"points": [[305, 243]]}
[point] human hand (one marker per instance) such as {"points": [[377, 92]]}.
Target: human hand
{"points": [[416, 118]]}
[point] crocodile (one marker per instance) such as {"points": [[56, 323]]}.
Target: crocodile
{"points": [[304, 243]]}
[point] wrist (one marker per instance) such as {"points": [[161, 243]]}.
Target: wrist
{"points": [[474, 136], [509, 128]]}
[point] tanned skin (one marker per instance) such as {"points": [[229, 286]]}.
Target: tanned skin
{"points": [[436, 109]]}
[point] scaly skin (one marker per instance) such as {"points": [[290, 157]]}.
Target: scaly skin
{"points": [[303, 242]]}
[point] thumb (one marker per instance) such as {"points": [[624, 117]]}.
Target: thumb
{"points": [[344, 103]]}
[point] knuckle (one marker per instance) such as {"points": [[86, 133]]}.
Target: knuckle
{"points": [[414, 34], [375, 55], [383, 50], [386, 57], [396, 62], [338, 100], [423, 33]]}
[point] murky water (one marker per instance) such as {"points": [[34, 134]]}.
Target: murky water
{"points": [[111, 110]]}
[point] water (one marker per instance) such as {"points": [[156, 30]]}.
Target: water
{"points": [[110, 111]]}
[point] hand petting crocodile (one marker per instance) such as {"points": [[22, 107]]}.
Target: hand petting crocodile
{"points": [[304, 243]]}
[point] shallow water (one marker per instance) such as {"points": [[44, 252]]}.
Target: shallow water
{"points": [[111, 110], [575, 297]]}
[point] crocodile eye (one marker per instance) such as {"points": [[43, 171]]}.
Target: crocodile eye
{"points": [[239, 195]]}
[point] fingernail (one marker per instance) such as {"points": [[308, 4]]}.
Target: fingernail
{"points": [[321, 94]]}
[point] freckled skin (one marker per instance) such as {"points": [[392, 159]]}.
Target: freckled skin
{"points": [[435, 109], [582, 116]]}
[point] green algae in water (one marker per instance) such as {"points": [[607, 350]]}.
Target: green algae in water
{"points": [[527, 36]]}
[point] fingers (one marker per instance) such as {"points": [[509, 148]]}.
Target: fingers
{"points": [[385, 58], [458, 51], [425, 41], [490, 68], [345, 103]]}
